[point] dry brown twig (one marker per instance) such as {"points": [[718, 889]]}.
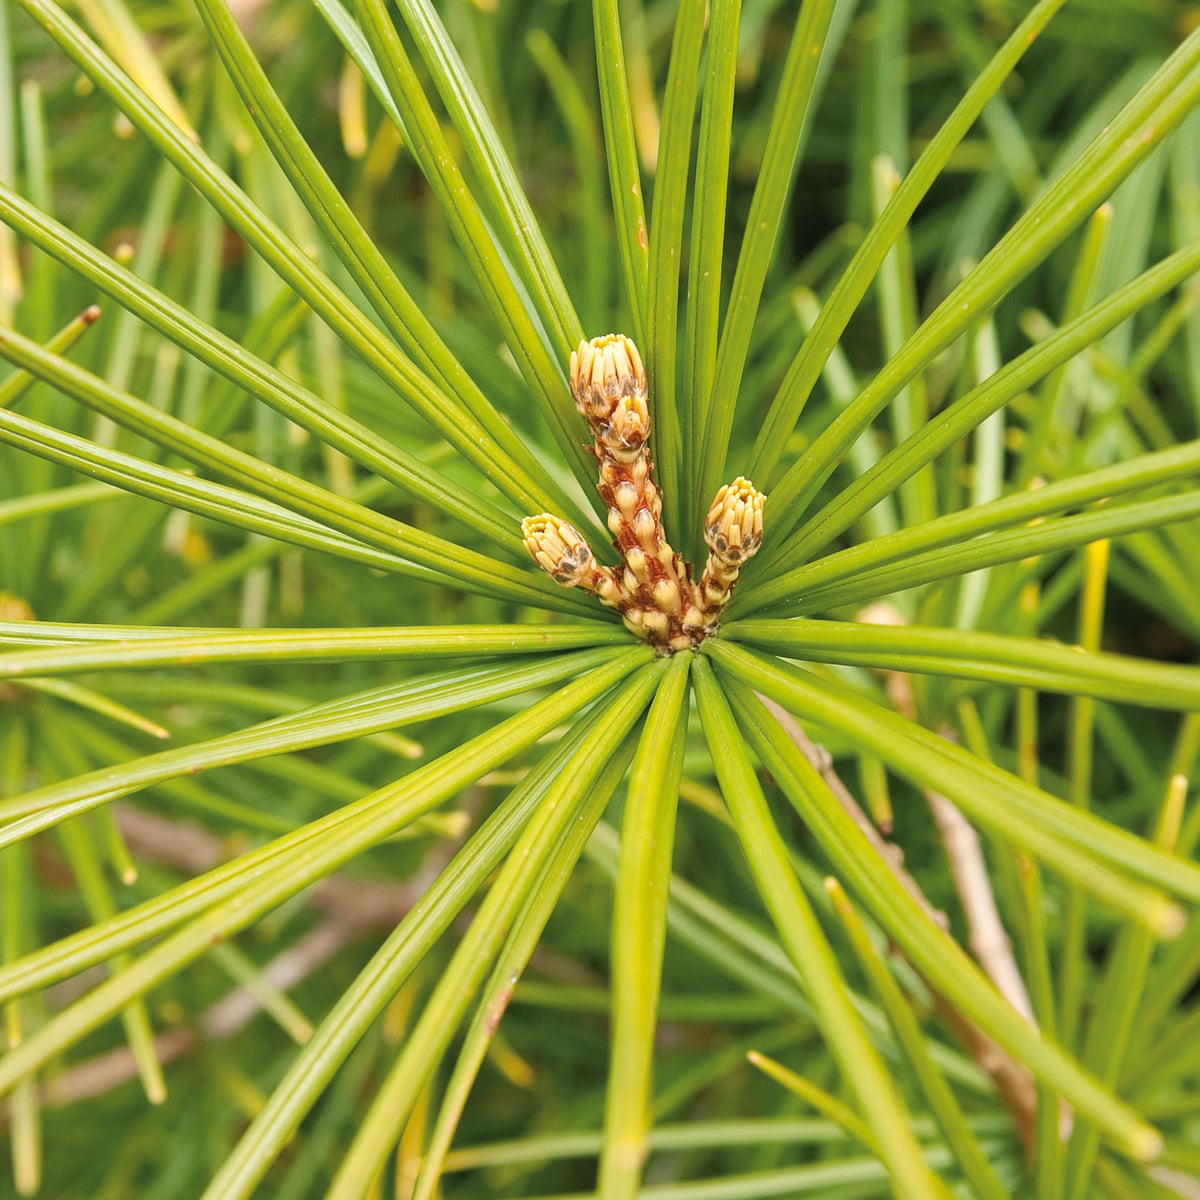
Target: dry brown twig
{"points": [[822, 762], [1013, 1083], [987, 938], [228, 1016], [986, 935], [352, 910]]}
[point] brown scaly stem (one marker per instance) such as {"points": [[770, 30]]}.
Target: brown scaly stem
{"points": [[654, 592], [608, 382]]}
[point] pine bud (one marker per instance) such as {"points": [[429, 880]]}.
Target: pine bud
{"points": [[628, 428], [733, 533], [558, 548], [602, 371], [734, 525], [654, 590]]}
